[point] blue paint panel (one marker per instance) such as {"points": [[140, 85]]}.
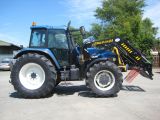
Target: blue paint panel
{"points": [[99, 53]]}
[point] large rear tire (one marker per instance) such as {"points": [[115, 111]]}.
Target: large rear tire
{"points": [[104, 79], [33, 76]]}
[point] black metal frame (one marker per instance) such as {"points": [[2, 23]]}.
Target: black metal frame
{"points": [[128, 53]]}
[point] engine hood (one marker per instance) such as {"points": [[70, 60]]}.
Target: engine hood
{"points": [[100, 53]]}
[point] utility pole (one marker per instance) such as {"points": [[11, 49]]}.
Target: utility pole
{"points": [[159, 49]]}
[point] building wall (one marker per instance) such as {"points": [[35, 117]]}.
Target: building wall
{"points": [[156, 60], [7, 52]]}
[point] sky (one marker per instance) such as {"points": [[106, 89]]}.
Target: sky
{"points": [[16, 16]]}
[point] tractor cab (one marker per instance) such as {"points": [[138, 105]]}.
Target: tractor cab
{"points": [[57, 40]]}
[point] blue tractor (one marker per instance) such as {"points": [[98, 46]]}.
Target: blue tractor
{"points": [[53, 56]]}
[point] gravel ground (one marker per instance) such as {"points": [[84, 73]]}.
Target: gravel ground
{"points": [[139, 100]]}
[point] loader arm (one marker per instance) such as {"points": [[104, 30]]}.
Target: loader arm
{"points": [[127, 53]]}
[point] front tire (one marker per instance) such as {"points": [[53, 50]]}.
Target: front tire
{"points": [[104, 79], [33, 76]]}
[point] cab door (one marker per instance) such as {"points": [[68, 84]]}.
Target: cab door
{"points": [[58, 44]]}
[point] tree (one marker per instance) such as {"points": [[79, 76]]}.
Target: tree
{"points": [[146, 35], [123, 18], [96, 30]]}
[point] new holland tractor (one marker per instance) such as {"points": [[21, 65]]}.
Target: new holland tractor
{"points": [[52, 57]]}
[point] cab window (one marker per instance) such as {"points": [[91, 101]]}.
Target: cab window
{"points": [[38, 38], [57, 39]]}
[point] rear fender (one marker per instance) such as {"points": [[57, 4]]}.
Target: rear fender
{"points": [[43, 51]]}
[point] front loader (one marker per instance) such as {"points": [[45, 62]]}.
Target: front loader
{"points": [[126, 54]]}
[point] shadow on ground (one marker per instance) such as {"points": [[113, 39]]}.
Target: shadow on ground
{"points": [[17, 95], [82, 90], [157, 72], [132, 88]]}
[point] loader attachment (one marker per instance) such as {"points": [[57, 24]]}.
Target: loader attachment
{"points": [[136, 71], [135, 58], [132, 75], [127, 54]]}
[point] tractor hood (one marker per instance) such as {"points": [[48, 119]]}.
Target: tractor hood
{"points": [[99, 53]]}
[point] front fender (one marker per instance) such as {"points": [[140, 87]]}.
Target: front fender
{"points": [[44, 51], [92, 63]]}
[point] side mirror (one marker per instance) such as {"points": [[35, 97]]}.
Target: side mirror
{"points": [[68, 25], [83, 32], [21, 46]]}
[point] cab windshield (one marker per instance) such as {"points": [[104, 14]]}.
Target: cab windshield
{"points": [[55, 38], [38, 38]]}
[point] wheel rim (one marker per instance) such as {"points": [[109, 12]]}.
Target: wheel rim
{"points": [[32, 76], [104, 80]]}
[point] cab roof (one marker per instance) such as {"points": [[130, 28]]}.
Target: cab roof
{"points": [[47, 27]]}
